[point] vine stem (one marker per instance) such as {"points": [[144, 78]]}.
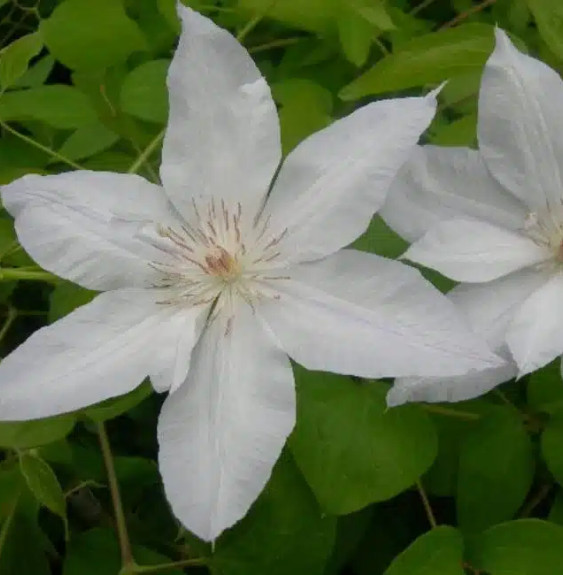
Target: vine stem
{"points": [[127, 561], [473, 10], [40, 146], [426, 504], [146, 569], [146, 153], [9, 274], [450, 412]]}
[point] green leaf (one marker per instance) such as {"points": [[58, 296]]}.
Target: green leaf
{"points": [[14, 59], [300, 543], [548, 15], [545, 388], [144, 94], [111, 408], [552, 446], [66, 297], [556, 511], [374, 12], [37, 74], [91, 35], [523, 547], [87, 141], [380, 239], [427, 59], [59, 106], [355, 33], [439, 551], [305, 108], [43, 483], [496, 468], [25, 434], [462, 132], [352, 450]]}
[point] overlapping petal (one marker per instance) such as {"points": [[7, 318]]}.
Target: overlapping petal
{"points": [[103, 349], [82, 225], [439, 184], [221, 432], [521, 126], [330, 186], [222, 138], [357, 313], [475, 251]]}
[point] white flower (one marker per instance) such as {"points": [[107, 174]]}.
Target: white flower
{"points": [[209, 287], [493, 218]]}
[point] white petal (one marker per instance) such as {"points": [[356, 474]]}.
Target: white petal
{"points": [[458, 388], [489, 307], [81, 225], [360, 314], [103, 349], [221, 432], [535, 335], [330, 186], [439, 184], [222, 138], [475, 251], [521, 124]]}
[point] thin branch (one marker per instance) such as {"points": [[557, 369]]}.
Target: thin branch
{"points": [[451, 412], [41, 147], [12, 314], [146, 153], [146, 569], [127, 560], [9, 274], [464, 15], [281, 43], [541, 494], [253, 22], [426, 504], [421, 7]]}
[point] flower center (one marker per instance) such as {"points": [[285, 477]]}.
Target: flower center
{"points": [[218, 256], [546, 229]]}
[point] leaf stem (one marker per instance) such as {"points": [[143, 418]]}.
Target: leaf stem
{"points": [[12, 314], [11, 274], [281, 43], [127, 560], [253, 22], [426, 504], [146, 153], [145, 569], [450, 412], [41, 147], [473, 10]]}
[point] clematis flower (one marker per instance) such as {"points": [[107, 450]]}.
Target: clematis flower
{"points": [[493, 218], [209, 283]]}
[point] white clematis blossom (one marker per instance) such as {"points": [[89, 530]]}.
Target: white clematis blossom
{"points": [[209, 286], [493, 219]]}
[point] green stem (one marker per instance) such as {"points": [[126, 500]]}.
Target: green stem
{"points": [[12, 314], [421, 7], [252, 23], [426, 504], [167, 566], [146, 153], [450, 412], [127, 560], [8, 523], [41, 147], [281, 43], [464, 15], [11, 274]]}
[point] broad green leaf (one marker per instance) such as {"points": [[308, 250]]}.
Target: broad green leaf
{"points": [[91, 35], [374, 12], [424, 60], [496, 468], [24, 434], [380, 239], [523, 547], [556, 511], [284, 532], [462, 132], [545, 388], [552, 445], [43, 483], [352, 450], [548, 15], [144, 94], [355, 33], [14, 58], [37, 73], [87, 141], [111, 408], [58, 106], [305, 108], [66, 297], [439, 551]]}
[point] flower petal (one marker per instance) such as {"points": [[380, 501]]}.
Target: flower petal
{"points": [[222, 138], [535, 335], [457, 388], [330, 186], [521, 125], [360, 314], [439, 184], [221, 432], [475, 251], [81, 225], [103, 349]]}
